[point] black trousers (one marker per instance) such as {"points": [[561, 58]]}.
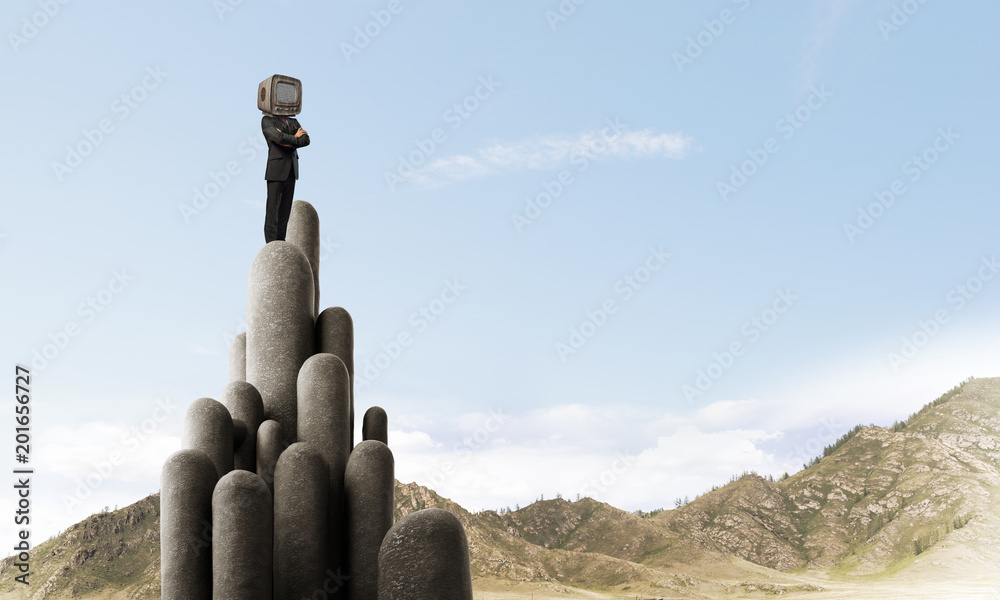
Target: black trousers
{"points": [[279, 206]]}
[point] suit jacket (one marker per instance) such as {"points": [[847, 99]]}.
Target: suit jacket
{"points": [[281, 146]]}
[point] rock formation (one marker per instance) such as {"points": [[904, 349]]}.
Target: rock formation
{"points": [[270, 499]]}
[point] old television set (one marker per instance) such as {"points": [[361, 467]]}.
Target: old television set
{"points": [[280, 95]]}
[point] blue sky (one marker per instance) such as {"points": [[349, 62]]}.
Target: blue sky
{"points": [[688, 239]]}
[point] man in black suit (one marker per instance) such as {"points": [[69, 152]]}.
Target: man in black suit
{"points": [[284, 136]]}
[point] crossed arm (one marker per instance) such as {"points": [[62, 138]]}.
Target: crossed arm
{"points": [[276, 136]]}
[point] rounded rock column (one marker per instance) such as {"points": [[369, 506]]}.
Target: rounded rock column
{"points": [[238, 358], [244, 403], [242, 542], [335, 335], [303, 231], [369, 502], [208, 427], [280, 328], [324, 414], [425, 556], [301, 496], [239, 436], [270, 444], [186, 485], [375, 425]]}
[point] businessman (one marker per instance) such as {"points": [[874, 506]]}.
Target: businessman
{"points": [[284, 137]]}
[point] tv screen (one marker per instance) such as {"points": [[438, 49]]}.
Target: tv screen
{"points": [[285, 92]]}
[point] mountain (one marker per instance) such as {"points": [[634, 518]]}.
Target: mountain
{"points": [[916, 502], [883, 495]]}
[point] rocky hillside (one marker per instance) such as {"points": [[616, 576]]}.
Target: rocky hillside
{"points": [[879, 500], [114, 551], [882, 496]]}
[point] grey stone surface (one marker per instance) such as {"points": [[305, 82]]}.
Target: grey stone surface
{"points": [[186, 483], [208, 427], [280, 328], [368, 502], [270, 444], [239, 436], [238, 358], [303, 231], [301, 498], [425, 557], [324, 422], [242, 540], [375, 425], [335, 335], [244, 403]]}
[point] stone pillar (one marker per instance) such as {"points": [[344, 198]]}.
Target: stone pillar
{"points": [[301, 496], [242, 542], [244, 403], [239, 436], [186, 485], [238, 358], [335, 335], [303, 231], [208, 427], [324, 417], [425, 557], [375, 425], [270, 444], [369, 502], [280, 328]]}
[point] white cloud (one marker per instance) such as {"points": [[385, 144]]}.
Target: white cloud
{"points": [[80, 469], [412, 441], [203, 350], [730, 413], [550, 152], [826, 29], [598, 451], [133, 453]]}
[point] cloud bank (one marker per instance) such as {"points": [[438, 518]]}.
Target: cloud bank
{"points": [[551, 152]]}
